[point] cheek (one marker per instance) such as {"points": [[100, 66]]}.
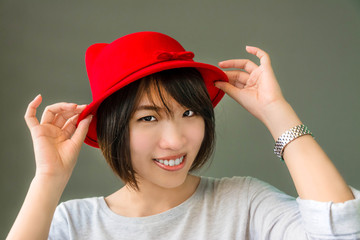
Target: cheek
{"points": [[140, 142], [195, 132]]}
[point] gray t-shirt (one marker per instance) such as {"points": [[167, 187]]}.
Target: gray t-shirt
{"points": [[226, 208]]}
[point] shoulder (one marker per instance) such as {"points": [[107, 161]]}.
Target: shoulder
{"points": [[236, 187], [73, 214], [78, 207], [239, 186], [86, 202], [232, 183], [231, 195]]}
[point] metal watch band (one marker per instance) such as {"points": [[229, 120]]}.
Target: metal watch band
{"points": [[288, 136]]}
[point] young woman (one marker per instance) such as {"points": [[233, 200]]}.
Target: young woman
{"points": [[152, 117]]}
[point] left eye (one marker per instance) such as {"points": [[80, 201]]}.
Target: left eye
{"points": [[188, 113], [148, 119]]}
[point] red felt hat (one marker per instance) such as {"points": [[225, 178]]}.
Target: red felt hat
{"points": [[129, 58]]}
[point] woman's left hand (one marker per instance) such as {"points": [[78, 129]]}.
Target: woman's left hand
{"points": [[254, 87]]}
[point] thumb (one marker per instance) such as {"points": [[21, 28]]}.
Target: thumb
{"points": [[81, 131], [229, 89]]}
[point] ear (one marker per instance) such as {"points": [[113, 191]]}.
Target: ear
{"points": [[91, 54]]}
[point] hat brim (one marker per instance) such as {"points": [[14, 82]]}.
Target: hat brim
{"points": [[209, 73]]}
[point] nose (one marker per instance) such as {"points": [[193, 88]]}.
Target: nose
{"points": [[171, 137]]}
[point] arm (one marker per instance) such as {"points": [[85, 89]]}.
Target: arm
{"points": [[57, 144], [257, 90], [314, 175]]}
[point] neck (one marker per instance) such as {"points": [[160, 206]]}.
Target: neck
{"points": [[150, 199]]}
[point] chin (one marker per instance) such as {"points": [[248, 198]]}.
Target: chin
{"points": [[166, 181], [174, 184]]}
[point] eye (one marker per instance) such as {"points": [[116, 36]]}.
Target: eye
{"points": [[148, 119], [189, 113]]}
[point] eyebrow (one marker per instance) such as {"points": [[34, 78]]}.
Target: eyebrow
{"points": [[155, 108], [148, 107]]}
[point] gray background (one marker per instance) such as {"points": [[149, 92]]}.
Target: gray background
{"points": [[314, 46]]}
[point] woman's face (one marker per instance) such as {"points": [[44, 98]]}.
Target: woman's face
{"points": [[163, 146]]}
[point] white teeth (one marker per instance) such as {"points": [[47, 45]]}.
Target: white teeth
{"points": [[171, 162], [177, 161]]}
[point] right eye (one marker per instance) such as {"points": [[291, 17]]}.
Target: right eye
{"points": [[148, 119]]}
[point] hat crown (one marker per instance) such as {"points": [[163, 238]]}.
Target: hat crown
{"points": [[107, 64]]}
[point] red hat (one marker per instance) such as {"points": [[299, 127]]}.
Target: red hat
{"points": [[129, 58]]}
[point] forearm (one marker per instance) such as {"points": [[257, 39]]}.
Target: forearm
{"points": [[35, 216], [314, 175]]}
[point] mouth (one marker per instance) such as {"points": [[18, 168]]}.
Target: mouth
{"points": [[172, 163]]}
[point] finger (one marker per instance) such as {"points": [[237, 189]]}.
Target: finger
{"points": [[229, 89], [61, 118], [50, 112], [81, 131], [262, 55], [70, 126], [239, 85], [237, 77], [30, 114], [245, 64]]}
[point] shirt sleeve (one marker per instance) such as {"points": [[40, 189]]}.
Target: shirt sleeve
{"points": [[334, 219], [275, 215], [59, 226]]}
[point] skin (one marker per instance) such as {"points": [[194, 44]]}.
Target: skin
{"points": [[156, 134], [257, 90], [57, 144]]}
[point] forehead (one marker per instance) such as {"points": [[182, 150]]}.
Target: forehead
{"points": [[155, 97]]}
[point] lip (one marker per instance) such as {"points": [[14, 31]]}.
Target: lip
{"points": [[171, 168]]}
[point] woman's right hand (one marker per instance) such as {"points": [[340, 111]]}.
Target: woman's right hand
{"points": [[56, 139], [57, 142]]}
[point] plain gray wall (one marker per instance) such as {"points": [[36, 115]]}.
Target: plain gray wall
{"points": [[314, 46]]}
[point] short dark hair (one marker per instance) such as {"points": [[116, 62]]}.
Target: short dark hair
{"points": [[184, 85]]}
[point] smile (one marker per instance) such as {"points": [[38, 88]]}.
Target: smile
{"points": [[171, 164]]}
